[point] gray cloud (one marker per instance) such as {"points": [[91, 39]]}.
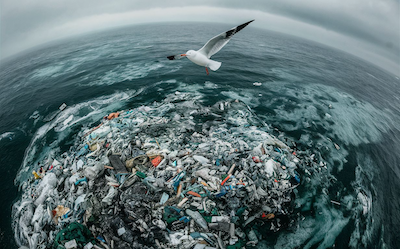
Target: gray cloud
{"points": [[374, 24]]}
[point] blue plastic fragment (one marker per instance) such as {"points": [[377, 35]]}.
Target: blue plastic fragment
{"points": [[297, 178], [222, 193], [66, 215], [218, 162], [83, 150], [80, 180], [185, 219], [176, 180], [101, 238], [175, 208]]}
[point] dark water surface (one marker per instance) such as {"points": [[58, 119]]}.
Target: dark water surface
{"points": [[316, 96]]}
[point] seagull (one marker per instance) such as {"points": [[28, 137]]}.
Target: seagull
{"points": [[202, 56]]}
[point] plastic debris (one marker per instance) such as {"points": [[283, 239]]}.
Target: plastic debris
{"points": [[74, 235], [71, 244], [112, 115], [62, 107], [163, 176], [156, 161], [61, 211], [88, 246], [36, 175]]}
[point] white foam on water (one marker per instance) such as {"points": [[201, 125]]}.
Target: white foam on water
{"points": [[66, 66], [367, 219], [285, 75], [320, 230], [183, 89], [247, 97], [35, 115], [7, 135], [351, 120], [141, 47], [131, 71], [210, 85], [347, 122], [50, 71], [374, 77]]}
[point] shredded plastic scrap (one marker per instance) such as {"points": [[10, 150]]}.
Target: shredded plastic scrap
{"points": [[172, 174]]}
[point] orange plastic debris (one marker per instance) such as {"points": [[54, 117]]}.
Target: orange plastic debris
{"points": [[204, 183], [156, 161], [113, 115], [179, 190], [226, 179], [193, 193], [268, 216], [241, 183]]}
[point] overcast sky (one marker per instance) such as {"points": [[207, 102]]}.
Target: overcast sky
{"points": [[369, 29]]}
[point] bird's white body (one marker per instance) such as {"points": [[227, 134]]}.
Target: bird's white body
{"points": [[201, 59], [202, 56]]}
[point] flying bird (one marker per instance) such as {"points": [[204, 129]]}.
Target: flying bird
{"points": [[202, 56]]}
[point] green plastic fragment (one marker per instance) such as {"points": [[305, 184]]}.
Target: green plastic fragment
{"points": [[80, 233], [207, 218], [240, 211], [171, 219], [141, 174], [215, 212], [92, 219]]}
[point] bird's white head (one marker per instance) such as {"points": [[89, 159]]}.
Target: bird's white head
{"points": [[189, 53]]}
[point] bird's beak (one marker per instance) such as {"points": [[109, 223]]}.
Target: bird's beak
{"points": [[183, 54]]}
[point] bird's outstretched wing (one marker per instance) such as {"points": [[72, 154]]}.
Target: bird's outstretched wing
{"points": [[216, 43]]}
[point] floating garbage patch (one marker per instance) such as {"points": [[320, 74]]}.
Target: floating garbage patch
{"points": [[173, 174]]}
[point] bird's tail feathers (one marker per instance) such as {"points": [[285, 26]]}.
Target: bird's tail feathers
{"points": [[214, 65]]}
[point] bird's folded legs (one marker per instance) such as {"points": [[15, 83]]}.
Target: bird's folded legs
{"points": [[207, 71]]}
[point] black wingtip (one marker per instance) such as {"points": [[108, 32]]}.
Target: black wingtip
{"points": [[242, 26], [233, 31], [171, 57]]}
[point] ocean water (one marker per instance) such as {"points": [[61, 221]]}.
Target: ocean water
{"points": [[344, 112]]}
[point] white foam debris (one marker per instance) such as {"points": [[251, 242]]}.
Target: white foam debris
{"points": [[365, 201], [62, 107], [6, 135]]}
